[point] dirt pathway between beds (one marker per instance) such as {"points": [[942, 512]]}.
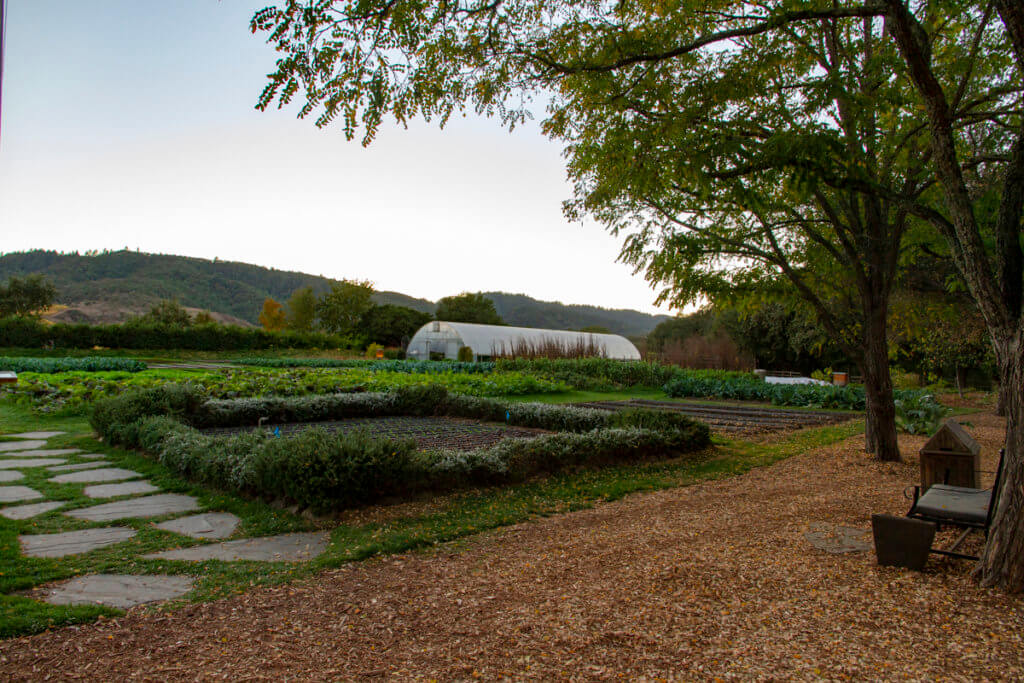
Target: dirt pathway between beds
{"points": [[714, 580]]}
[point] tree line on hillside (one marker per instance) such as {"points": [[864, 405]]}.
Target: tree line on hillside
{"points": [[347, 309], [344, 316], [123, 279]]}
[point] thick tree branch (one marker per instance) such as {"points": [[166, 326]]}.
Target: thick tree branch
{"points": [[763, 26]]}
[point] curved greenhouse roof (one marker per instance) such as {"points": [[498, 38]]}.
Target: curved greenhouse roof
{"points": [[446, 338]]}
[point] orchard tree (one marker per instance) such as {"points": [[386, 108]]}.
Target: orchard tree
{"points": [[468, 308], [26, 297], [734, 144], [273, 316], [302, 310], [341, 309]]}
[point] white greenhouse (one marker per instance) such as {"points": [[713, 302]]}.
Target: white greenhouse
{"points": [[441, 339]]}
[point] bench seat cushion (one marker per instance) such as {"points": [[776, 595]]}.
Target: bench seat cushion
{"points": [[954, 503]]}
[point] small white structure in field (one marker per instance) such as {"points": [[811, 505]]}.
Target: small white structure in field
{"points": [[491, 341], [770, 379]]}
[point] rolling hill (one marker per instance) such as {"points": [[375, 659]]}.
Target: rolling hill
{"points": [[123, 283]]}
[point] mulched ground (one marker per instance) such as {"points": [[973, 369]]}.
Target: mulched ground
{"points": [[714, 581], [737, 419], [428, 432]]}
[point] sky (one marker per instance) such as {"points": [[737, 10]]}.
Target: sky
{"points": [[132, 124]]}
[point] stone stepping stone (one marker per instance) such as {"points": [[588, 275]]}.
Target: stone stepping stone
{"points": [[89, 476], [118, 590], [206, 525], [20, 445], [9, 475], [73, 542], [284, 548], [34, 435], [838, 539], [29, 462], [75, 468], [14, 494], [43, 453], [129, 488], [31, 510], [148, 506]]}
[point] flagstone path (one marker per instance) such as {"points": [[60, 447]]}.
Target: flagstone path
{"points": [[119, 590], [29, 511], [29, 462], [105, 481], [20, 445], [129, 488]]}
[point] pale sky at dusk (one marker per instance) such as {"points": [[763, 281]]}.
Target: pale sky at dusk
{"points": [[131, 123]]}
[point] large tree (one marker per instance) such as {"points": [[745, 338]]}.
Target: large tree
{"points": [[302, 310], [769, 140], [342, 308], [468, 308], [392, 325], [26, 296]]}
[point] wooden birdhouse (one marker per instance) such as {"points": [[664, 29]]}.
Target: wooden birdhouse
{"points": [[951, 457]]}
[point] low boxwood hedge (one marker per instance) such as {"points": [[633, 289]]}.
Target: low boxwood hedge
{"points": [[323, 471]]}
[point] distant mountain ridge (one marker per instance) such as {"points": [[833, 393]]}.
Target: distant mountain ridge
{"points": [[132, 281]]}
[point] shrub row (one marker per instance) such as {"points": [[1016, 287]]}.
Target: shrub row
{"points": [[26, 332], [50, 366], [410, 366], [324, 471]]}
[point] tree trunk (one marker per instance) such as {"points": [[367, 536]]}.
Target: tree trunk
{"points": [[1002, 562], [1004, 366], [880, 425]]}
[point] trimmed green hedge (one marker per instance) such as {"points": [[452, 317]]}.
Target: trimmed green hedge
{"points": [[50, 366], [325, 471]]}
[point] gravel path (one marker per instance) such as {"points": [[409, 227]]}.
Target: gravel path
{"points": [[711, 581]]}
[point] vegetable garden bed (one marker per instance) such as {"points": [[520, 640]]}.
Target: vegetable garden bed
{"points": [[327, 471]]}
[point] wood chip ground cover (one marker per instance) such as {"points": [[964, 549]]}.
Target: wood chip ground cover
{"points": [[428, 432], [710, 581]]}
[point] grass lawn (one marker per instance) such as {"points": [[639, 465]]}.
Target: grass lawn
{"points": [[439, 521]]}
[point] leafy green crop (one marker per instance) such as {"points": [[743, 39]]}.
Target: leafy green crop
{"points": [[73, 392], [86, 364], [917, 412]]}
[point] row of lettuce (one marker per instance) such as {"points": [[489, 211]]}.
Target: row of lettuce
{"points": [[324, 471]]}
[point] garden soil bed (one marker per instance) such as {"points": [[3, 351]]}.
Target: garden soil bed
{"points": [[712, 581], [739, 418], [428, 432]]}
